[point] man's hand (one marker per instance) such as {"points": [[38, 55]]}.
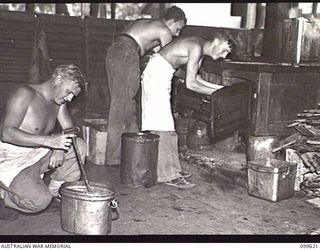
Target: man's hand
{"points": [[56, 158], [63, 142]]}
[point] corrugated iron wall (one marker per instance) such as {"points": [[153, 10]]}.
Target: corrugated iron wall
{"points": [[100, 35], [83, 41], [16, 42]]}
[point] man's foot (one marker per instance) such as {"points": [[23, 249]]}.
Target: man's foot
{"points": [[180, 183], [7, 213], [185, 174]]}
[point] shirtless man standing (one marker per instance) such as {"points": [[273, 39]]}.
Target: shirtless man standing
{"points": [[156, 88], [123, 71], [27, 149]]}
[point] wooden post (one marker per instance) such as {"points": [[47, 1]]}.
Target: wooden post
{"points": [[314, 8], [275, 14], [113, 10], [260, 16], [162, 9], [30, 7], [94, 9], [62, 9], [251, 15], [102, 10]]}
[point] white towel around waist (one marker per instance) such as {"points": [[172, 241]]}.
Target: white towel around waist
{"points": [[14, 159]]}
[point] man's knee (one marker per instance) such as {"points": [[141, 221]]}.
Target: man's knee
{"points": [[32, 204], [42, 202]]}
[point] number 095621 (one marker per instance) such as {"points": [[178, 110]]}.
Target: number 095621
{"points": [[308, 245]]}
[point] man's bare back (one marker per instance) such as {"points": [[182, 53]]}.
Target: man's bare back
{"points": [[189, 51], [177, 53], [149, 33]]}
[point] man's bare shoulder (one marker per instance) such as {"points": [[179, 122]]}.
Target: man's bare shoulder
{"points": [[193, 40], [188, 42], [153, 24], [23, 92]]}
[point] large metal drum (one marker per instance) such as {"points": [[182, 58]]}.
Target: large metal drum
{"points": [[139, 159]]}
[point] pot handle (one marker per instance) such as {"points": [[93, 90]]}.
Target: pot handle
{"points": [[114, 207]]}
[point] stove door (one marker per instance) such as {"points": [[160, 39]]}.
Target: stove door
{"points": [[230, 109]]}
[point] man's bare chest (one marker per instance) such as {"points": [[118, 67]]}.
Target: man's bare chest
{"points": [[41, 116]]}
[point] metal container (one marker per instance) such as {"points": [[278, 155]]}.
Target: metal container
{"points": [[181, 125], [260, 147], [87, 213], [198, 138], [271, 179], [139, 159]]}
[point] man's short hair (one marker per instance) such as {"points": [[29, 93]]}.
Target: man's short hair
{"points": [[176, 14], [220, 36], [224, 38], [72, 72]]}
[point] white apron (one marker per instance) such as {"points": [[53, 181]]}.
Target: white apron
{"points": [[156, 89]]}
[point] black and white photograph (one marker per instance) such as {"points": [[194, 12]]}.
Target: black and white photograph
{"points": [[160, 122]]}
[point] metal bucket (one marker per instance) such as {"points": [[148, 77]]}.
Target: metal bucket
{"points": [[260, 147], [198, 138], [139, 159], [87, 213], [181, 125]]}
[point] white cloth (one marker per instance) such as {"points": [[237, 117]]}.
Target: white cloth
{"points": [[156, 90], [14, 159]]}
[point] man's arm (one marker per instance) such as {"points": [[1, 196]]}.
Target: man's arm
{"points": [[193, 65], [180, 72], [64, 117]]}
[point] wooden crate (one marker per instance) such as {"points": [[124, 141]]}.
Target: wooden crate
{"points": [[292, 156], [95, 134]]}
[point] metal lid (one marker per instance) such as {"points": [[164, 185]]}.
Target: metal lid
{"points": [[271, 165]]}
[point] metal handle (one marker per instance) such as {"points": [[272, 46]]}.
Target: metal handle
{"points": [[114, 206]]}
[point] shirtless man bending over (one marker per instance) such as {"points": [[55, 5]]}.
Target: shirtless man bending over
{"points": [[156, 88], [28, 150], [123, 71]]}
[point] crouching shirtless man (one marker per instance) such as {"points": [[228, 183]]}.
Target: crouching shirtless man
{"points": [[28, 150], [156, 87]]}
